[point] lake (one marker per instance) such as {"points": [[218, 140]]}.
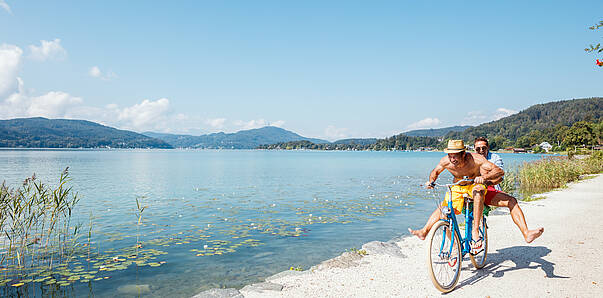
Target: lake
{"points": [[227, 218]]}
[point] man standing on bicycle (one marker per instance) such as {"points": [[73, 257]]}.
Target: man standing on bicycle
{"points": [[495, 196], [460, 164]]}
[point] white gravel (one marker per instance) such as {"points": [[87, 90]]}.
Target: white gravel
{"points": [[566, 261]]}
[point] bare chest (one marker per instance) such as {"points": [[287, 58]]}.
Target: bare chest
{"points": [[470, 170]]}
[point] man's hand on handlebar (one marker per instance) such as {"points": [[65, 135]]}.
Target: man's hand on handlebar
{"points": [[429, 185], [479, 180]]}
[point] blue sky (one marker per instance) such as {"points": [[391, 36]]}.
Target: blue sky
{"points": [[328, 69]]}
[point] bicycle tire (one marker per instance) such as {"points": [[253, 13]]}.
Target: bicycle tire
{"points": [[479, 260], [441, 266]]}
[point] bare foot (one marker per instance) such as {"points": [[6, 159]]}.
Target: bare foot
{"points": [[533, 234], [418, 233]]}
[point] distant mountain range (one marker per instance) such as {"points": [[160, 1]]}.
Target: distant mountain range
{"points": [[435, 132], [551, 122], [62, 133], [244, 139], [543, 122]]}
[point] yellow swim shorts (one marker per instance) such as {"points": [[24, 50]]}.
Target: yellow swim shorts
{"points": [[457, 196]]}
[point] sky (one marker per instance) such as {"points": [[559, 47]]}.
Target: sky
{"points": [[324, 69]]}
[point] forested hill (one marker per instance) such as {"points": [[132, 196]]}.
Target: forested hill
{"points": [[542, 122], [435, 132], [244, 139], [62, 133]]}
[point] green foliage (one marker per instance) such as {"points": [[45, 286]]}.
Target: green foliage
{"points": [[554, 172], [595, 48], [398, 142], [581, 133], [509, 184], [550, 122], [63, 133], [36, 220], [360, 252]]}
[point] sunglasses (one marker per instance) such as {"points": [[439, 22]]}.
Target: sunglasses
{"points": [[484, 148]]}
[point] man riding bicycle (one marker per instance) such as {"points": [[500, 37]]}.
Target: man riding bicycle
{"points": [[463, 164]]}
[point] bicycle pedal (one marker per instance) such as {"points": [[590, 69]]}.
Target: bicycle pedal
{"points": [[476, 253]]}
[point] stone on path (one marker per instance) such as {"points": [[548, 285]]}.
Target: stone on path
{"points": [[219, 293], [261, 287], [285, 273], [383, 248], [345, 260]]}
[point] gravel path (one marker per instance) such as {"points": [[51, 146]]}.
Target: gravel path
{"points": [[566, 261]]}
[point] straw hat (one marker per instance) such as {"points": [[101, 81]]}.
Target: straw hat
{"points": [[455, 146]]}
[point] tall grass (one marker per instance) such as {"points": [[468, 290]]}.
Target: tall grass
{"points": [[35, 224], [554, 172]]}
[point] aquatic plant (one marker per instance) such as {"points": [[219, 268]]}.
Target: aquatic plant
{"points": [[35, 222]]}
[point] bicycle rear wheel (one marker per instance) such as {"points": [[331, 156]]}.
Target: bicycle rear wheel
{"points": [[479, 260], [444, 257]]}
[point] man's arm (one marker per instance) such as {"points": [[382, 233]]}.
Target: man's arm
{"points": [[433, 176], [490, 173]]}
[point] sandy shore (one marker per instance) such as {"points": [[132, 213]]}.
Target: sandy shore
{"points": [[565, 262]]}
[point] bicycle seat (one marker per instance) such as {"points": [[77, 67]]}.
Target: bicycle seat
{"points": [[467, 197]]}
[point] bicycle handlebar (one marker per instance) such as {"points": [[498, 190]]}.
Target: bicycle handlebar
{"points": [[465, 179]]}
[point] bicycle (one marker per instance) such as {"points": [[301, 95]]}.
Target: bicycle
{"points": [[447, 250]]}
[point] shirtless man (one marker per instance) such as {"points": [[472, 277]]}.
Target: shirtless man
{"points": [[495, 196], [461, 163]]}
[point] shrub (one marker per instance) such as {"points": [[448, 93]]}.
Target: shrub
{"points": [[554, 172]]}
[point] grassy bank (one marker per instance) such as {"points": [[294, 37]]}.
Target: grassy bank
{"points": [[550, 173]]}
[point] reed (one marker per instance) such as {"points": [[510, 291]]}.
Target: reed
{"points": [[35, 222], [554, 172]]}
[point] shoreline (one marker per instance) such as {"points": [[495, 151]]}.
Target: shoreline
{"points": [[398, 267]]}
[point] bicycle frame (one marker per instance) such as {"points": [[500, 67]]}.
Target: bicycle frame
{"points": [[451, 218]]}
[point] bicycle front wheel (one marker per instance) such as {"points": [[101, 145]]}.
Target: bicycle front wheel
{"points": [[479, 259], [444, 257]]}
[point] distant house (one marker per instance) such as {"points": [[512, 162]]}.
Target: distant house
{"points": [[545, 146], [519, 150]]}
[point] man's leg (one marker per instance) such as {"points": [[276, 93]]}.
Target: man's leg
{"points": [[502, 199], [479, 193], [422, 233]]}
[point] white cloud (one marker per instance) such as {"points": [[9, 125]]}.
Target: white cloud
{"points": [[145, 115], [216, 123], [257, 123], [479, 117], [48, 50], [95, 72], [502, 113], [425, 123], [5, 6], [333, 133], [54, 104], [10, 59]]}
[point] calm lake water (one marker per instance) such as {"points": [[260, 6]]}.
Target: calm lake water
{"points": [[230, 218]]}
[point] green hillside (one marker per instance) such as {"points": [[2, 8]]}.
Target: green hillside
{"points": [[548, 122], [62, 133], [565, 123]]}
